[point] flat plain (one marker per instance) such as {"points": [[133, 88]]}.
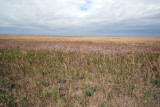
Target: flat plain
{"points": [[82, 44], [79, 71]]}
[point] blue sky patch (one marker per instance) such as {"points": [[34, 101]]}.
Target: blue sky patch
{"points": [[85, 6]]}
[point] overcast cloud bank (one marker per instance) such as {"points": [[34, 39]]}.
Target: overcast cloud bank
{"points": [[81, 17]]}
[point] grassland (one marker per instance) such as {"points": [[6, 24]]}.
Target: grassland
{"points": [[81, 44], [81, 39], [125, 75]]}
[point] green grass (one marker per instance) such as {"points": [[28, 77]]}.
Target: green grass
{"points": [[43, 77]]}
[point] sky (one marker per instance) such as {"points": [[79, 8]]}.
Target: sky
{"points": [[80, 17]]}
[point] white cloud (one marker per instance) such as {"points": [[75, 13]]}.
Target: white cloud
{"points": [[76, 13]]}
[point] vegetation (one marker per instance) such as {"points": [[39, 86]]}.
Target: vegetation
{"points": [[56, 78]]}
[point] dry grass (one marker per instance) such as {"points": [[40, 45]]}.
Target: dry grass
{"points": [[54, 78], [81, 44], [83, 39], [79, 71]]}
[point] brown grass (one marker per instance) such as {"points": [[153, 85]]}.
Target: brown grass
{"points": [[82, 44], [84, 39], [69, 79], [79, 71]]}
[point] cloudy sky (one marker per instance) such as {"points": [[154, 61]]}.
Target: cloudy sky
{"points": [[80, 17]]}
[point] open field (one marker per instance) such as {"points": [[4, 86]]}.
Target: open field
{"points": [[74, 72], [81, 39], [82, 44]]}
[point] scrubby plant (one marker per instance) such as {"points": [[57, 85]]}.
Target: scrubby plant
{"points": [[56, 78]]}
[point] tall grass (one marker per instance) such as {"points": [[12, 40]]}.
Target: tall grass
{"points": [[55, 78]]}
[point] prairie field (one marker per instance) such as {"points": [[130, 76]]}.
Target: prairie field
{"points": [[79, 71]]}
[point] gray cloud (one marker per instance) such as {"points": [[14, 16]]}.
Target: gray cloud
{"points": [[80, 17]]}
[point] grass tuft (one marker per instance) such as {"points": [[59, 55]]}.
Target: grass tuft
{"points": [[56, 78]]}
